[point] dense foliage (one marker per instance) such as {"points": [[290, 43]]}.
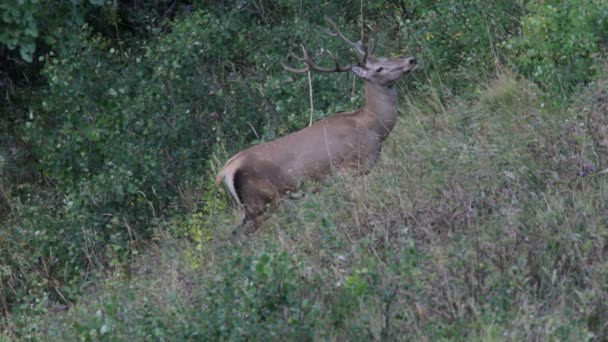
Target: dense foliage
{"points": [[115, 114], [559, 41], [26, 22]]}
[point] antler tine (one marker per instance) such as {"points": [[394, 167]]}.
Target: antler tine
{"points": [[304, 58], [369, 51], [296, 70], [358, 46], [372, 45], [312, 66]]}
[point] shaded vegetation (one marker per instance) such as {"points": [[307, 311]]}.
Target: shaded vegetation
{"points": [[485, 218]]}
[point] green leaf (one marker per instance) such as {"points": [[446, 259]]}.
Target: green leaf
{"points": [[26, 51]]}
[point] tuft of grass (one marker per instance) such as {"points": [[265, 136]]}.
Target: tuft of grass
{"points": [[507, 94]]}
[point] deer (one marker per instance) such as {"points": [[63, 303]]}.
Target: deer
{"points": [[259, 176]]}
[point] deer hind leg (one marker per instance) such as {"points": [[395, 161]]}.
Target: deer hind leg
{"points": [[258, 195]]}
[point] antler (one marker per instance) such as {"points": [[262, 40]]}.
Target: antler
{"points": [[358, 46], [312, 66], [362, 50]]}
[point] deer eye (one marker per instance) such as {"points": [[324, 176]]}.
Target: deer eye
{"points": [[379, 69]]}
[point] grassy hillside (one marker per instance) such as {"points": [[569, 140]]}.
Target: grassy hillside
{"points": [[485, 219]]}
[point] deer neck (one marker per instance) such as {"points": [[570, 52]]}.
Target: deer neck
{"points": [[380, 108]]}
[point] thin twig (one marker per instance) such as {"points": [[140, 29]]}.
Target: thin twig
{"points": [[254, 131], [312, 106]]}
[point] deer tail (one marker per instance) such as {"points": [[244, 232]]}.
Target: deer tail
{"points": [[226, 175]]}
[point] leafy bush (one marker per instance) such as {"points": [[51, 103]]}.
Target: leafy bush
{"points": [[259, 298], [27, 22], [456, 41], [560, 43]]}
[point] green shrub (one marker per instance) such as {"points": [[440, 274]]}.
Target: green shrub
{"points": [[456, 41], [560, 43], [259, 298], [26, 23]]}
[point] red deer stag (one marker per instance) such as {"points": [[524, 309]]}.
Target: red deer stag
{"points": [[258, 176]]}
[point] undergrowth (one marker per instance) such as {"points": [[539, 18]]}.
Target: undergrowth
{"points": [[483, 220]]}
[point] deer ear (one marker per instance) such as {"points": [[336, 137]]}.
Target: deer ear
{"points": [[359, 71]]}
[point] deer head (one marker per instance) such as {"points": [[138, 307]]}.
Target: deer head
{"points": [[260, 175]]}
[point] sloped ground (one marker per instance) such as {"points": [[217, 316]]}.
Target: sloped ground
{"points": [[483, 220]]}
